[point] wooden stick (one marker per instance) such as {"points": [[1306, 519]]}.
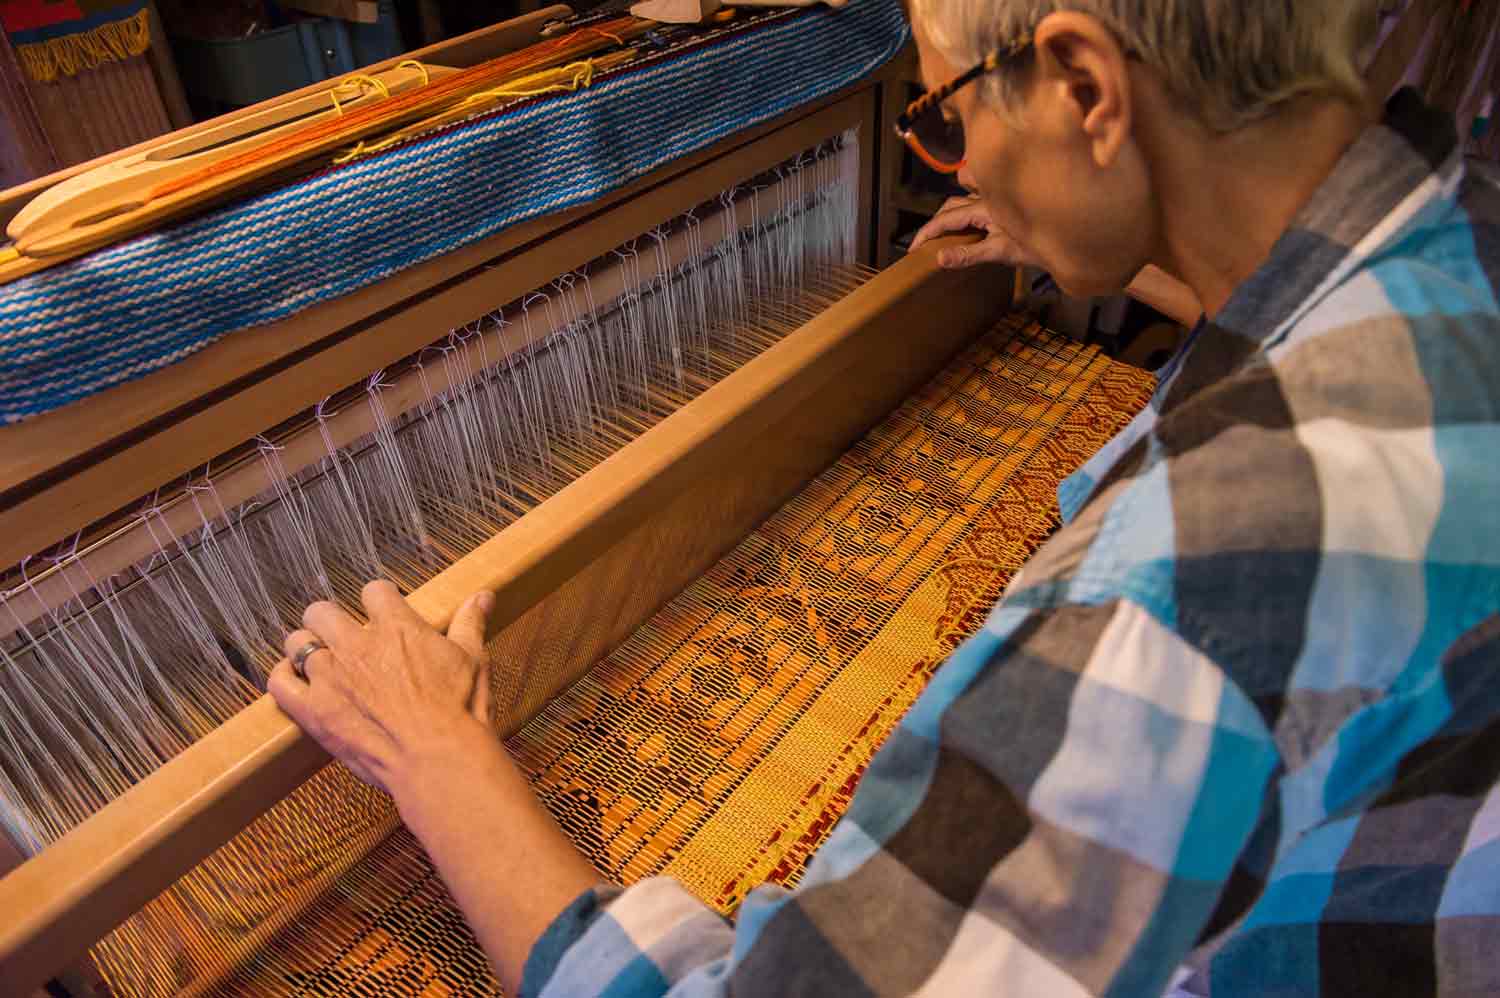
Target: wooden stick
{"points": [[465, 50], [676, 11], [1167, 295], [220, 180]]}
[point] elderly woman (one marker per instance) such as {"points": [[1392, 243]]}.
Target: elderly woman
{"points": [[1237, 726]]}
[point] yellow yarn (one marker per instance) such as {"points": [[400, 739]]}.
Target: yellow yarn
{"points": [[426, 76], [71, 54], [570, 77], [358, 81], [573, 76]]}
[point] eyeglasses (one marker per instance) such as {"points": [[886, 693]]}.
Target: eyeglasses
{"points": [[938, 140]]}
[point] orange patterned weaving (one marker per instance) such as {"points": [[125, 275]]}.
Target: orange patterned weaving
{"points": [[721, 741]]}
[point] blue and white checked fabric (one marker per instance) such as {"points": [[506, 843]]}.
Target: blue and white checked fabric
{"points": [[1235, 730], [133, 308]]}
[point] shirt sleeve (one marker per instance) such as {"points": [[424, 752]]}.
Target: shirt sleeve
{"points": [[1058, 814]]}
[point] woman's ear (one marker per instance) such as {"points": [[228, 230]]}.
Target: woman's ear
{"points": [[1082, 63]]}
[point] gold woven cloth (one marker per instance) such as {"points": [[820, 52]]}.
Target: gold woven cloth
{"points": [[721, 742]]}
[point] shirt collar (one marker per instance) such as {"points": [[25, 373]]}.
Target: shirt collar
{"points": [[1381, 183], [1330, 237]]}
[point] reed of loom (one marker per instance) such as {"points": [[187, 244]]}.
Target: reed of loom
{"points": [[626, 391]]}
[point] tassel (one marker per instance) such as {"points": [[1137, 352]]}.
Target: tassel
{"points": [[72, 54]]}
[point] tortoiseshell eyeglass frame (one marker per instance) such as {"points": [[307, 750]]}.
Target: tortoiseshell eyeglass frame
{"points": [[925, 114]]}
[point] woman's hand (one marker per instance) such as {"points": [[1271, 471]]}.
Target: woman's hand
{"points": [[408, 710], [385, 697], [966, 214]]}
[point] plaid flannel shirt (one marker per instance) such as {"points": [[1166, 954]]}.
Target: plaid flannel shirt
{"points": [[1236, 727]]}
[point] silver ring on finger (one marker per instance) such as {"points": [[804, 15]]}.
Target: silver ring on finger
{"points": [[299, 660]]}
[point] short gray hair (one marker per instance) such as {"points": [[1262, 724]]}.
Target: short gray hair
{"points": [[1230, 62]]}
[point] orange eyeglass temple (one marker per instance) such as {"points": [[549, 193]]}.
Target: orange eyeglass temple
{"points": [[915, 145]]}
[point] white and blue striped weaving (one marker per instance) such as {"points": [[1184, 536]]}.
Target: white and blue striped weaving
{"points": [[133, 308]]}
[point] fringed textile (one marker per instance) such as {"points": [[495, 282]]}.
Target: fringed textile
{"points": [[54, 38]]}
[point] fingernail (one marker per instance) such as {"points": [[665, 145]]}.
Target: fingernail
{"points": [[485, 602]]}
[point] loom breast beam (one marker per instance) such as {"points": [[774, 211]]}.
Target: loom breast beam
{"points": [[461, 52], [757, 435]]}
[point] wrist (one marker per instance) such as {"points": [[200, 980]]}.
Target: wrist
{"points": [[445, 767]]}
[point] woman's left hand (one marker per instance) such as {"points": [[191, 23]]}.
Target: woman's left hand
{"points": [[384, 697]]}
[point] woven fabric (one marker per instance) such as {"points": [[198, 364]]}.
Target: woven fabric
{"points": [[55, 38], [1235, 728], [722, 741], [29, 21], [120, 313]]}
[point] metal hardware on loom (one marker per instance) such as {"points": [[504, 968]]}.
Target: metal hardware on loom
{"points": [[109, 669]]}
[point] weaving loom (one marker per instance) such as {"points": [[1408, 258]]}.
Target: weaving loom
{"points": [[737, 495]]}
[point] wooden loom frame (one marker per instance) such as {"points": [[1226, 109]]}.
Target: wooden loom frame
{"points": [[774, 423], [60, 471], [757, 436]]}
